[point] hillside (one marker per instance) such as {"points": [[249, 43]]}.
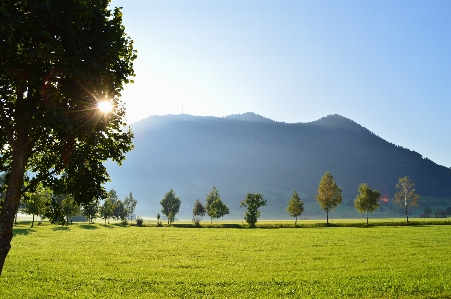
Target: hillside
{"points": [[249, 153]]}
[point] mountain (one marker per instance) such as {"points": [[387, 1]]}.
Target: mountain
{"points": [[249, 153]]}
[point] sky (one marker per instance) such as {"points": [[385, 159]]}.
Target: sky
{"points": [[384, 64]]}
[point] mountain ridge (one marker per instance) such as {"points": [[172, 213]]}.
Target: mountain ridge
{"points": [[251, 153]]}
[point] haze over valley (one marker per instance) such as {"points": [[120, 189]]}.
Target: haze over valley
{"points": [[249, 153]]}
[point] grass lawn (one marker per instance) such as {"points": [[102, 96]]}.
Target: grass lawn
{"points": [[113, 261]]}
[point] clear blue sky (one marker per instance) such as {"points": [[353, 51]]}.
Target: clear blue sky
{"points": [[384, 64]]}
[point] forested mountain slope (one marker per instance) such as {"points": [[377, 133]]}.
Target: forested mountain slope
{"points": [[249, 153]]}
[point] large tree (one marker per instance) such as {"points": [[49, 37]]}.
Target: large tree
{"points": [[405, 195], [58, 60], [252, 202], [367, 200], [295, 206], [329, 194], [2, 189], [170, 205]]}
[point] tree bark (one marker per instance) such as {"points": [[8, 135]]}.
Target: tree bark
{"points": [[10, 205], [327, 217]]}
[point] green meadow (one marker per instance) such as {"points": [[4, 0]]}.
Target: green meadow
{"points": [[311, 261]]}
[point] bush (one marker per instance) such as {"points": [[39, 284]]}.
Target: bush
{"points": [[196, 221], [139, 221]]}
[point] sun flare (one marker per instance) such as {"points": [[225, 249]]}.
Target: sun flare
{"points": [[105, 106]]}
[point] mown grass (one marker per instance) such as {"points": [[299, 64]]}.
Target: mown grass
{"points": [[115, 261]]}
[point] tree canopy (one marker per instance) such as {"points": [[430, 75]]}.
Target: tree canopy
{"points": [[252, 202], [366, 200], [218, 209], [214, 206], [59, 60], [198, 212], [329, 194], [170, 205]]}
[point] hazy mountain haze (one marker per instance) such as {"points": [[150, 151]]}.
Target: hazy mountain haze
{"points": [[250, 153]]}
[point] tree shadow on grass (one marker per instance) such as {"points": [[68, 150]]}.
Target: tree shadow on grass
{"points": [[107, 225], [120, 225], [22, 231], [60, 228], [87, 226]]}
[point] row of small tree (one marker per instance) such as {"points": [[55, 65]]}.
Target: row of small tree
{"points": [[214, 207], [329, 196], [367, 200], [115, 208], [61, 208]]}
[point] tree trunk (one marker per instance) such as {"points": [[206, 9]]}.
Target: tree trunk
{"points": [[327, 217], [407, 215], [32, 221], [296, 221], [10, 205]]}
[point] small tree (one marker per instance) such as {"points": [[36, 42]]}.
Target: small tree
{"points": [[69, 207], [119, 212], [158, 220], [405, 195], [90, 211], [252, 202], [130, 204], [329, 194], [106, 211], [367, 200], [295, 206], [198, 212], [211, 197], [427, 211], [36, 203], [170, 205]]}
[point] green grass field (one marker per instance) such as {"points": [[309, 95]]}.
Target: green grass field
{"points": [[113, 261]]}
